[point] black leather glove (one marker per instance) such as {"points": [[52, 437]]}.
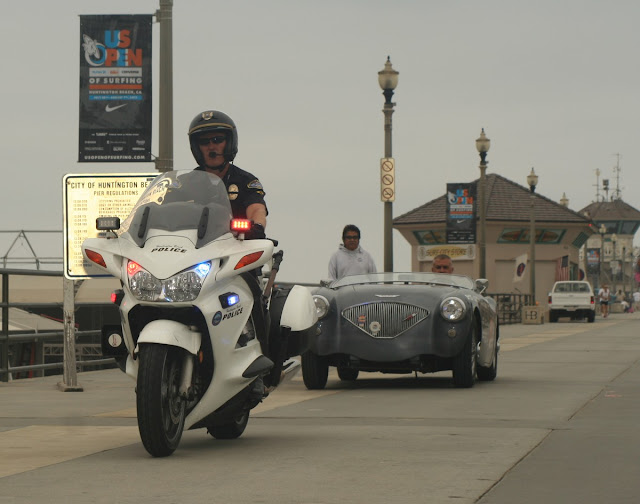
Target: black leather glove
{"points": [[256, 232]]}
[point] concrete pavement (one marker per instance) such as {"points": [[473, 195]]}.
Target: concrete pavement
{"points": [[592, 451]]}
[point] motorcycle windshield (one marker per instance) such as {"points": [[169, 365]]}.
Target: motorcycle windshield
{"points": [[186, 200]]}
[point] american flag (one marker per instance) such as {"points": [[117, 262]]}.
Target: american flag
{"points": [[562, 268]]}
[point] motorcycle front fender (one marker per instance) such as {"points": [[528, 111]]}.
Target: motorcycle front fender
{"points": [[170, 332]]}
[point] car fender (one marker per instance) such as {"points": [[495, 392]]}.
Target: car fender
{"points": [[487, 338], [170, 332]]}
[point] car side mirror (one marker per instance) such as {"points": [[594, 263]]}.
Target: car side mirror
{"points": [[482, 284]]}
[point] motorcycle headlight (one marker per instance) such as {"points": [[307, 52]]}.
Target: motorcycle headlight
{"points": [[322, 306], [143, 285], [184, 286], [452, 309]]}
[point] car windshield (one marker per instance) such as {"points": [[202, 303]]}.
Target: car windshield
{"points": [[572, 287], [405, 278], [191, 201]]}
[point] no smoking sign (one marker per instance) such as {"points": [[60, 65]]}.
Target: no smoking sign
{"points": [[387, 180]]}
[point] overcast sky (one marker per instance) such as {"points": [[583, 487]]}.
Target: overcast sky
{"points": [[555, 84]]}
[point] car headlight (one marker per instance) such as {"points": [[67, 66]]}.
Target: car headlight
{"points": [[322, 306], [452, 309], [184, 286]]}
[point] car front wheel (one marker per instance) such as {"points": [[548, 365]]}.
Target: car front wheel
{"points": [[315, 370], [464, 364]]}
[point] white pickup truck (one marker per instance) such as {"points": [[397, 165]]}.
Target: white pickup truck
{"points": [[573, 299]]}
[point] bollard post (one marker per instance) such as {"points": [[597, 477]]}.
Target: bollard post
{"points": [[533, 315], [70, 375]]}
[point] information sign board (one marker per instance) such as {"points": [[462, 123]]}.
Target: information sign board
{"points": [[87, 197]]}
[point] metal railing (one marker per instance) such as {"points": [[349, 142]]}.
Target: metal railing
{"points": [[510, 306], [22, 238], [9, 339], [9, 371]]}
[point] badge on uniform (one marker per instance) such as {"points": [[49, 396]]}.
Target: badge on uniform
{"points": [[233, 191]]}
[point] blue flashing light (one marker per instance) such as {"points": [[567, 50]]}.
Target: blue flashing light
{"points": [[229, 299], [203, 269]]}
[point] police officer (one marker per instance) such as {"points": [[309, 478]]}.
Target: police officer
{"points": [[213, 138]]}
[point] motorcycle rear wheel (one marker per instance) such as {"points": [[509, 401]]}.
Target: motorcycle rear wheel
{"points": [[161, 410], [232, 429]]}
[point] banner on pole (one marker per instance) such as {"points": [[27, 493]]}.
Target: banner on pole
{"points": [[520, 267], [593, 260], [115, 88], [461, 213]]}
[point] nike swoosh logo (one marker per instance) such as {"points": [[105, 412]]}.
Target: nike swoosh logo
{"points": [[109, 108]]}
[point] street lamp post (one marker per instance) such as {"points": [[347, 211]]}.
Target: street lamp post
{"points": [[164, 161], [388, 80], [624, 264], [532, 180], [614, 265], [482, 144], [602, 230]]}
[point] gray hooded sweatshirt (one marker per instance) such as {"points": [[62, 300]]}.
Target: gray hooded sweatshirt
{"points": [[345, 262]]}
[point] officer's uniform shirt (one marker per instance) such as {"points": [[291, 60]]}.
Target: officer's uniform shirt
{"points": [[244, 189]]}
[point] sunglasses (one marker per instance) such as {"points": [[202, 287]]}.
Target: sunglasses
{"points": [[215, 140], [351, 237]]}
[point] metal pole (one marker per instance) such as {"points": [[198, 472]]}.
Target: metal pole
{"points": [[624, 264], [70, 376], [532, 250], [601, 262], [614, 265], [388, 205], [4, 362], [482, 210], [164, 161]]}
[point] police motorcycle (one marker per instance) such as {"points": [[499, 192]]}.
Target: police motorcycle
{"points": [[204, 335]]}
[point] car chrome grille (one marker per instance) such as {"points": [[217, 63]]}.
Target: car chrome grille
{"points": [[384, 319]]}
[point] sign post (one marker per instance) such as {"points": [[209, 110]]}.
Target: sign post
{"points": [[69, 381]]}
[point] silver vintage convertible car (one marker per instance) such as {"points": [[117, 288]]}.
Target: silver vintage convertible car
{"points": [[404, 323]]}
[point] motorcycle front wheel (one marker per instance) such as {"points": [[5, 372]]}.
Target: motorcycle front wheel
{"points": [[161, 410]]}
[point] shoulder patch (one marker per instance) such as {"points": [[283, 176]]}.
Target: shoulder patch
{"points": [[255, 184]]}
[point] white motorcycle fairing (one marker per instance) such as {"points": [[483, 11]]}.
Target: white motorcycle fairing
{"points": [[189, 285]]}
